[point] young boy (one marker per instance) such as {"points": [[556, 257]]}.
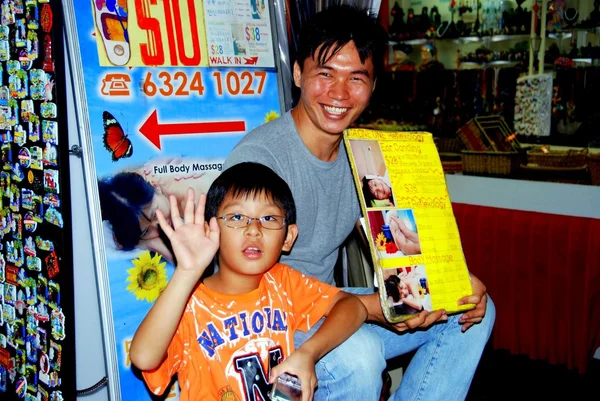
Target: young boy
{"points": [[230, 335]]}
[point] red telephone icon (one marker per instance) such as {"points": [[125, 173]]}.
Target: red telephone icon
{"points": [[116, 85]]}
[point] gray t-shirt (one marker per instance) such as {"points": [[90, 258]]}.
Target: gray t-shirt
{"points": [[324, 193]]}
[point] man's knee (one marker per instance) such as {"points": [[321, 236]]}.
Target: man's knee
{"points": [[362, 354]]}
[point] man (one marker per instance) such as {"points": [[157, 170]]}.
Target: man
{"points": [[341, 51]]}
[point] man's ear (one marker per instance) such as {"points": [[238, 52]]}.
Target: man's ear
{"points": [[292, 234], [297, 74]]}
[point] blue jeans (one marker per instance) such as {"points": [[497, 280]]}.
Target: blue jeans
{"points": [[442, 368]]}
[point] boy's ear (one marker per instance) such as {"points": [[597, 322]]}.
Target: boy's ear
{"points": [[292, 234]]}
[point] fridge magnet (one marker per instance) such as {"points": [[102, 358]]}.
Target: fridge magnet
{"points": [[33, 47], [42, 313], [18, 85], [30, 291], [18, 6], [30, 2], [20, 304], [14, 197], [5, 220], [53, 216], [34, 129], [53, 295], [20, 33], [56, 396], [17, 173], [50, 131], [57, 321], [29, 223], [37, 91], [6, 157], [17, 227], [38, 208], [30, 249], [32, 16], [2, 275], [42, 338], [24, 157], [21, 387], [51, 181], [7, 119], [13, 66], [31, 375], [42, 293], [42, 394], [25, 59], [48, 110], [31, 323], [30, 349], [8, 313], [52, 265], [37, 77], [51, 199], [3, 379], [4, 50], [10, 294], [27, 110], [46, 18], [34, 263], [4, 32], [48, 63], [36, 155], [19, 136], [27, 198], [14, 252], [50, 155], [48, 87], [43, 244], [8, 13]]}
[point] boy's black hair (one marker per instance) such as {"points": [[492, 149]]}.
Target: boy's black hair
{"points": [[248, 180], [122, 198], [331, 29]]}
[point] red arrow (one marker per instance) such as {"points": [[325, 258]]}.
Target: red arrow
{"points": [[152, 130], [250, 60]]}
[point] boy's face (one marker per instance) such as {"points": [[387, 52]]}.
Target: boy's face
{"points": [[334, 95], [252, 250]]}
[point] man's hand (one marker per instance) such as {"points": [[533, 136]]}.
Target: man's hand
{"points": [[479, 298], [423, 320], [194, 242]]}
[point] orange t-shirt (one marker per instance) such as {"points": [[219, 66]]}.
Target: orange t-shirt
{"points": [[225, 345]]}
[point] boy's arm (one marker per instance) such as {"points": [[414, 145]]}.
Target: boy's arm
{"points": [[345, 315], [195, 243], [152, 338]]}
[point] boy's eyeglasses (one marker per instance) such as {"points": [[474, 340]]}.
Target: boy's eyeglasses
{"points": [[236, 220]]}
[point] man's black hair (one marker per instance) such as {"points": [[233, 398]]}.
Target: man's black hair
{"points": [[249, 180], [333, 28]]}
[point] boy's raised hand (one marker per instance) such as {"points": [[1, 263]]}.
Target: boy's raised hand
{"points": [[194, 242]]}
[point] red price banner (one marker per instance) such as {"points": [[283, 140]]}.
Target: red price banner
{"points": [[151, 33]]}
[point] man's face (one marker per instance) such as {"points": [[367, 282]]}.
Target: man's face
{"points": [[334, 94]]}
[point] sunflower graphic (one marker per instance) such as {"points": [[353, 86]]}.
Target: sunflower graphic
{"points": [[380, 240], [271, 115], [148, 277]]}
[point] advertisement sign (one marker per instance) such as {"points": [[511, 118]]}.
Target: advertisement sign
{"points": [[156, 126]]}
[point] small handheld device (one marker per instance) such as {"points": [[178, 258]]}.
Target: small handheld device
{"points": [[286, 388]]}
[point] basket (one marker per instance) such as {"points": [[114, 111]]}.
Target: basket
{"points": [[488, 133], [494, 164], [594, 167], [448, 145], [545, 157]]}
